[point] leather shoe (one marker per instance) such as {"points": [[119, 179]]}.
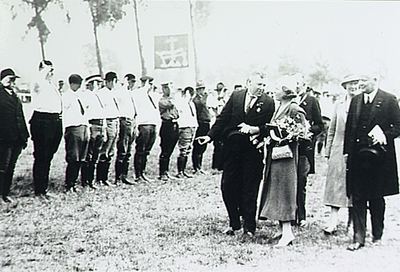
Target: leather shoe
{"points": [[106, 183], [147, 178], [247, 236], [170, 177], [186, 175], [229, 231], [284, 242], [355, 246], [6, 199], [330, 231], [127, 182]]}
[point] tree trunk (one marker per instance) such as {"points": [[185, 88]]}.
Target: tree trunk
{"points": [[196, 64], [142, 60], [98, 55]]}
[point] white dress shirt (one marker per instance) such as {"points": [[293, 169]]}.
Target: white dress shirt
{"points": [[187, 111], [147, 112], [109, 101], [93, 106], [370, 97], [45, 96], [73, 109], [125, 102]]}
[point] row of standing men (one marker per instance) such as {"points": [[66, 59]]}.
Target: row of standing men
{"points": [[102, 116]]}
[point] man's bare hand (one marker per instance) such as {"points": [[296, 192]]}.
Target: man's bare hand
{"points": [[202, 140]]}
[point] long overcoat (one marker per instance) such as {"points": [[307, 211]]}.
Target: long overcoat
{"points": [[385, 112], [335, 186]]}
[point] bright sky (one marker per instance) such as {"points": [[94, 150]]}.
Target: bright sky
{"points": [[352, 36]]}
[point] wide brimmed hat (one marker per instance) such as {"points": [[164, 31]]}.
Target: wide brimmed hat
{"points": [[235, 140], [350, 78]]}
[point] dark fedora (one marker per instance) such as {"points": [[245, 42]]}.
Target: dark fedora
{"points": [[236, 140], [371, 155]]}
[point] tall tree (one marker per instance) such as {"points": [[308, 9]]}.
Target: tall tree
{"points": [[104, 12], [199, 11], [321, 74], [39, 7], [140, 45]]}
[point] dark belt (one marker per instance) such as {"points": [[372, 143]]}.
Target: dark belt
{"points": [[126, 118], [170, 121], [46, 115], [98, 122]]}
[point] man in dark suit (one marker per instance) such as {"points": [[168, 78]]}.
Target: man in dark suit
{"points": [[372, 125], [243, 162], [13, 131], [306, 163]]}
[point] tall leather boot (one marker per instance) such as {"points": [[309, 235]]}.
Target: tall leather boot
{"points": [[5, 188], [118, 171], [163, 168], [195, 161], [137, 164], [144, 162], [85, 174], [106, 169]]}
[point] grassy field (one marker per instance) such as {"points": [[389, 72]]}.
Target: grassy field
{"points": [[172, 226]]}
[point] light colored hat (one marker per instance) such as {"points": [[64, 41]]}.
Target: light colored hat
{"points": [[349, 78]]}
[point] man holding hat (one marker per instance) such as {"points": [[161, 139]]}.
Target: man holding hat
{"points": [[13, 131], [243, 162], [76, 131], [373, 122], [127, 128], [203, 120], [148, 116], [95, 112], [46, 125]]}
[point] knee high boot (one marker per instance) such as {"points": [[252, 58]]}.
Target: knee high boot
{"points": [[5, 186], [195, 161], [138, 164], [85, 174], [118, 171]]}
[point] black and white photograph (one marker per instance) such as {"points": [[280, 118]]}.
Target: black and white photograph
{"points": [[199, 135]]}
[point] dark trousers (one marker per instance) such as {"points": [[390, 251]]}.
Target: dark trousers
{"points": [[76, 146], [198, 150], [217, 157], [240, 182], [9, 152], [302, 173], [94, 147], [144, 144], [46, 132], [169, 135], [126, 138], [359, 213]]}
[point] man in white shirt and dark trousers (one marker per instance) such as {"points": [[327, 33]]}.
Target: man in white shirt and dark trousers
{"points": [[76, 132], [127, 126], [95, 112], [107, 152], [45, 126], [148, 117], [187, 127]]}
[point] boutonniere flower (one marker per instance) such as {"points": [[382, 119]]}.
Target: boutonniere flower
{"points": [[258, 106], [378, 104]]}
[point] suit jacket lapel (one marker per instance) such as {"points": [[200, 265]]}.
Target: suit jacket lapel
{"points": [[376, 104], [358, 107]]}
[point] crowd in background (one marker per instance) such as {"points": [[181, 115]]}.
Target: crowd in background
{"points": [[258, 135]]}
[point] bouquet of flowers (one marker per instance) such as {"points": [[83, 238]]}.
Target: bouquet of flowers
{"points": [[291, 129]]}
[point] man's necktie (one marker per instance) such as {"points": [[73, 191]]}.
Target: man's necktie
{"points": [[151, 100], [191, 109], [98, 98], [80, 105], [116, 104], [248, 107]]}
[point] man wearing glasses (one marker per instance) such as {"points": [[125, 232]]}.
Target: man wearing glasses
{"points": [[46, 126]]}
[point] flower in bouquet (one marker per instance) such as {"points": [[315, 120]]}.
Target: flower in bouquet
{"points": [[292, 129]]}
